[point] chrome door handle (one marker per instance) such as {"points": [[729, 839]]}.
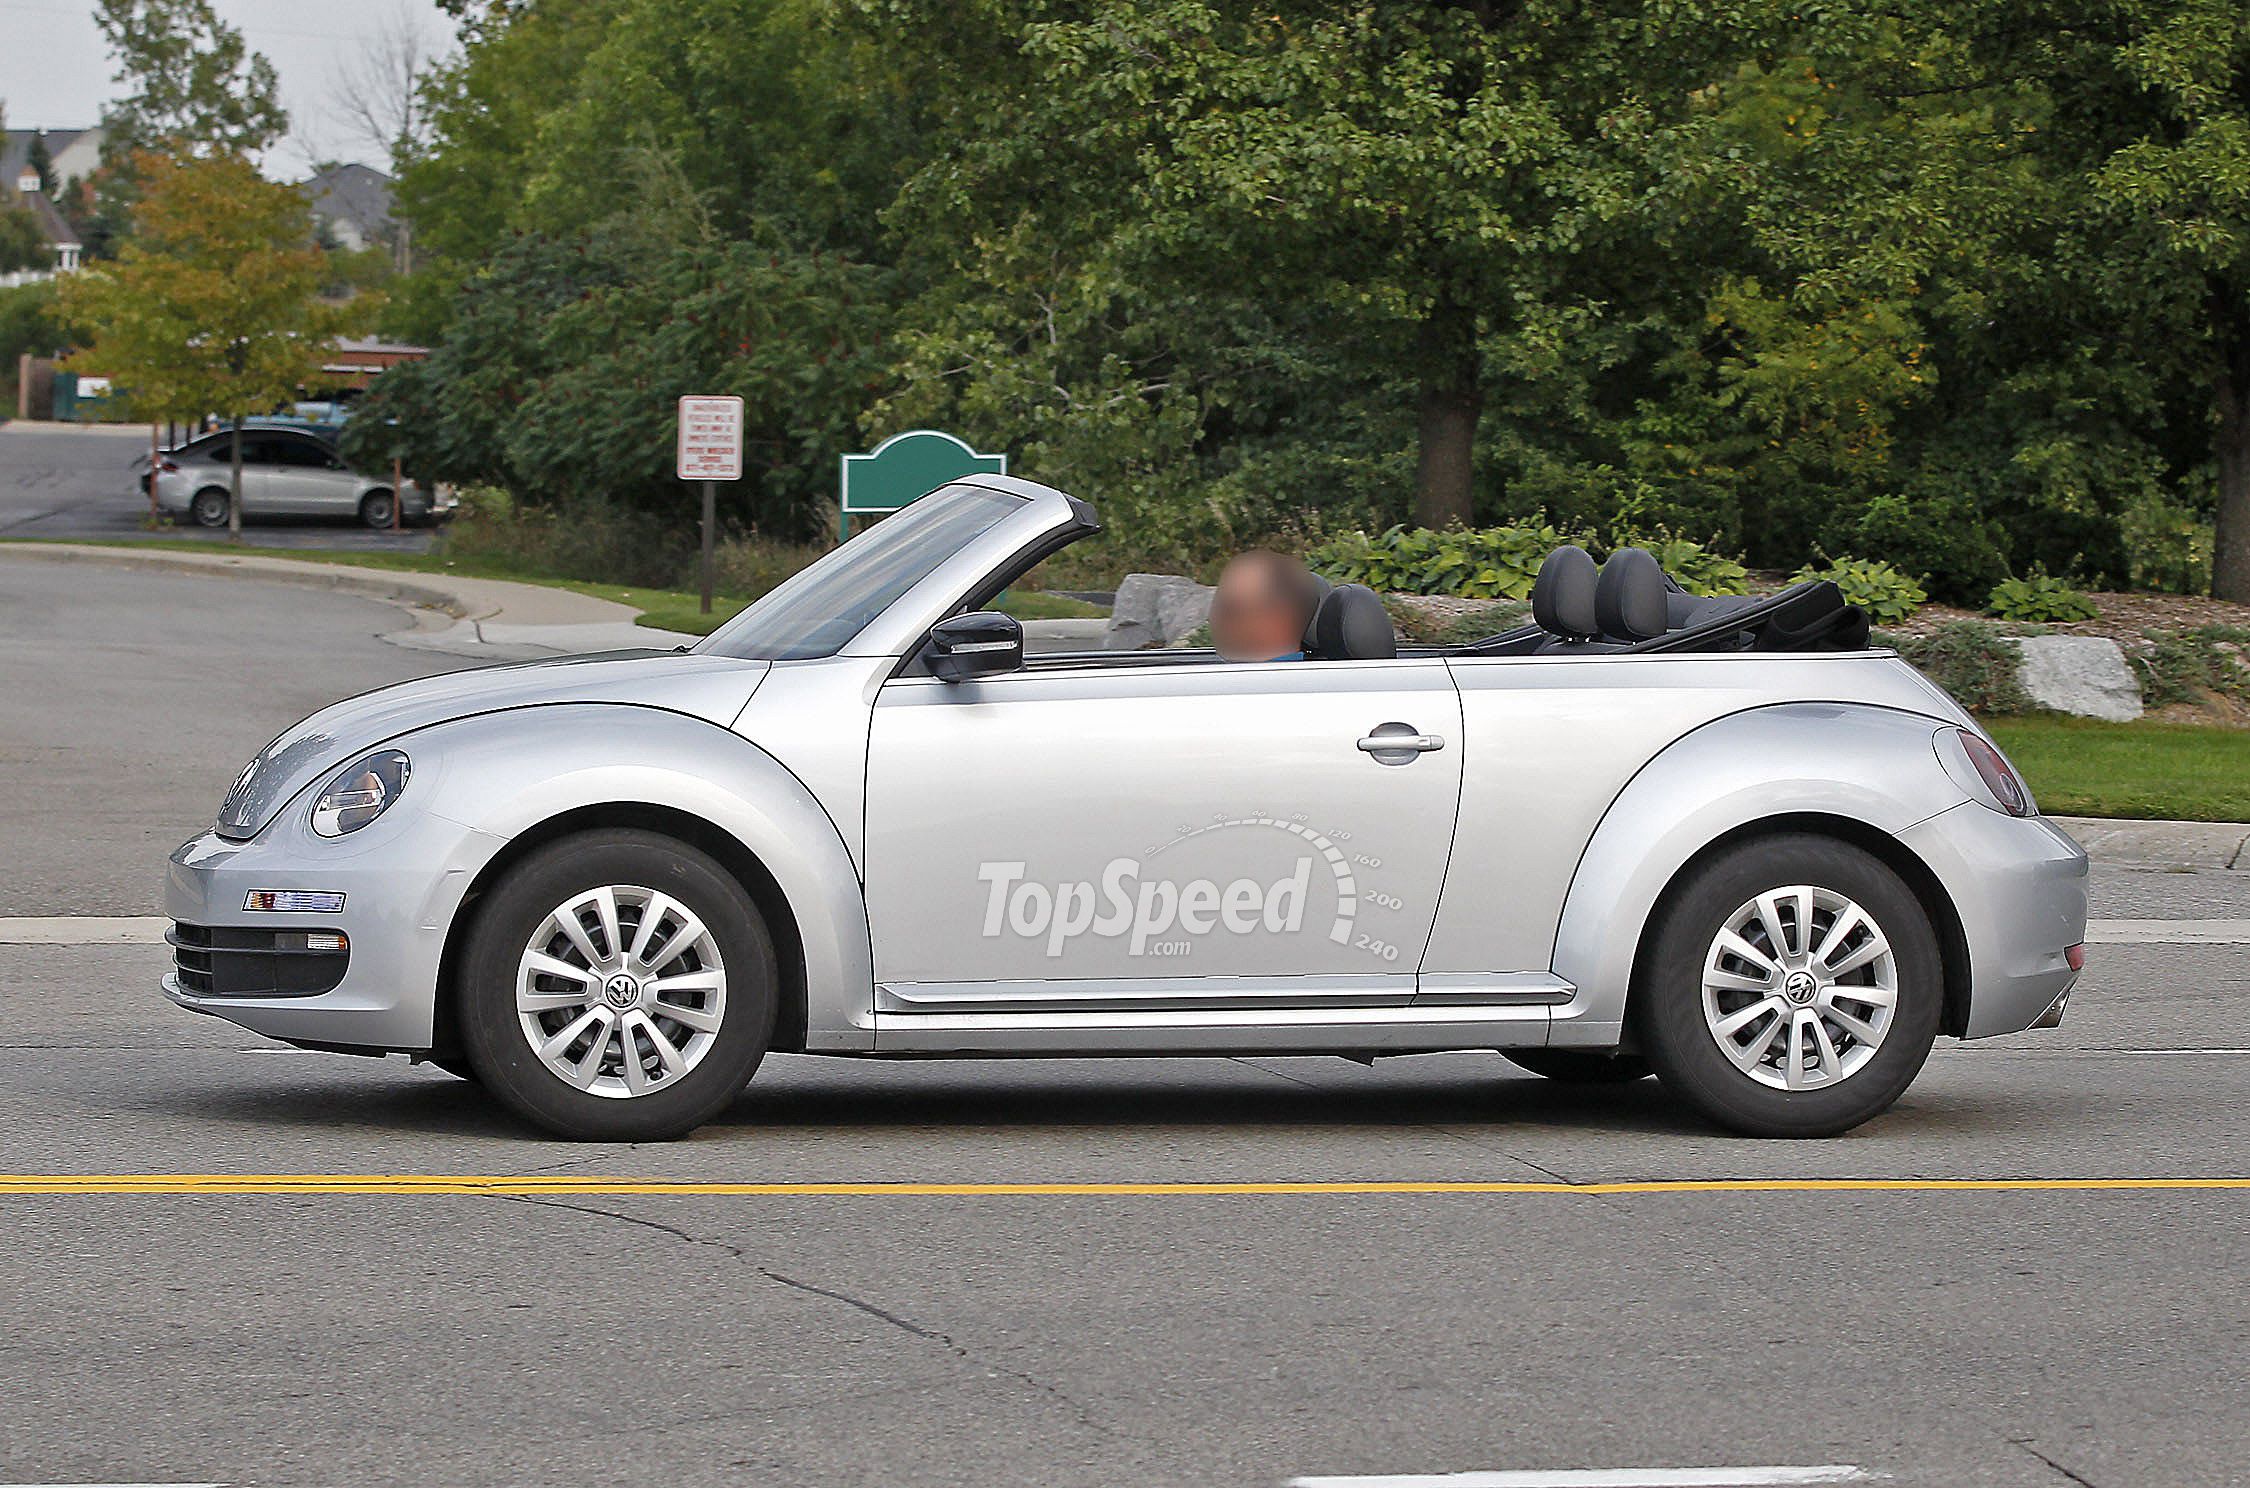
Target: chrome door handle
{"points": [[1404, 741]]}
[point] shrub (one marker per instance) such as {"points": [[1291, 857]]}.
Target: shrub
{"points": [[2167, 545], [1700, 570], [1970, 660], [2039, 599], [1887, 595], [2181, 666], [746, 565], [592, 540], [1417, 623], [1949, 547], [1479, 563]]}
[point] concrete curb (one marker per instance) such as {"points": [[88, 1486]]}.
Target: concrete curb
{"points": [[498, 600], [2162, 844]]}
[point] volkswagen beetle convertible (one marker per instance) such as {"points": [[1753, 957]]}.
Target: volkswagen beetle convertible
{"points": [[1721, 841]]}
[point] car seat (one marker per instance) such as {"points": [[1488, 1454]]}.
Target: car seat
{"points": [[1351, 625], [1631, 597], [1562, 599]]}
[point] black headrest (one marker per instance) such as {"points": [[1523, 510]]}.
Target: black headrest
{"points": [[1352, 625], [1562, 597], [1629, 600], [1311, 642]]}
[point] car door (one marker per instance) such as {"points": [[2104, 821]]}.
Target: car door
{"points": [[1159, 834], [308, 480]]}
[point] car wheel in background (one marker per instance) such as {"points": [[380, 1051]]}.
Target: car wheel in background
{"points": [[209, 508], [618, 986], [375, 509], [1791, 987], [1581, 1066]]}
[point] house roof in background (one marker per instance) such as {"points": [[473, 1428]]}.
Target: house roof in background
{"points": [[59, 233], [357, 194], [15, 148]]}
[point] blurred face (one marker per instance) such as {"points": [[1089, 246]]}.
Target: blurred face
{"points": [[1254, 617]]}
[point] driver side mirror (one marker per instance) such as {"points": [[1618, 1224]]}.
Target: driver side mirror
{"points": [[979, 644]]}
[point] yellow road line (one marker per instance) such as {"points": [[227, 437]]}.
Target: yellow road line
{"points": [[536, 1184]]}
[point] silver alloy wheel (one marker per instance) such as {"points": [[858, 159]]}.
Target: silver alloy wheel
{"points": [[1799, 988], [621, 991]]}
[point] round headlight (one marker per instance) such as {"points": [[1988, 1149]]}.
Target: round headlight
{"points": [[360, 794]]}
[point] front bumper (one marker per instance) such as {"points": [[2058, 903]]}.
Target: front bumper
{"points": [[2018, 885], [402, 888]]}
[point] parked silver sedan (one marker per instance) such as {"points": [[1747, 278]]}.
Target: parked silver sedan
{"points": [[1724, 842], [285, 473]]}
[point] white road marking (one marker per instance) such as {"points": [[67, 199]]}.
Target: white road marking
{"points": [[82, 930], [2168, 932], [1606, 1477], [112, 930]]}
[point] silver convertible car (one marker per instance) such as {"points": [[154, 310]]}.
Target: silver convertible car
{"points": [[1720, 841]]}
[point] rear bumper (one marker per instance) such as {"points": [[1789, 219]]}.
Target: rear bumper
{"points": [[2018, 885], [401, 892]]}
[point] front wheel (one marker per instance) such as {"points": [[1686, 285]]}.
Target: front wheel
{"points": [[1792, 988], [619, 986]]}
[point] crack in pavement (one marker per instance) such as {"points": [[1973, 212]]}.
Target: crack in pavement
{"points": [[906, 1325], [2083, 1482], [1449, 1133]]}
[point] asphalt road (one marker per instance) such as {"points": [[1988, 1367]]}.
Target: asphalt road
{"points": [[2009, 1336], [80, 484]]}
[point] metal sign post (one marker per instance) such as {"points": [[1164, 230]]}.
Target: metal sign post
{"points": [[710, 450]]}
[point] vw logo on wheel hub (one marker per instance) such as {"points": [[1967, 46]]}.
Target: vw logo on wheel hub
{"points": [[1800, 987], [621, 991]]}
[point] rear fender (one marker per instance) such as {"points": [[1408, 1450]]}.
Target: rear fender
{"points": [[1872, 766]]}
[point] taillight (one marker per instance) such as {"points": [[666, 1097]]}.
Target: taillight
{"points": [[168, 467], [1998, 776]]}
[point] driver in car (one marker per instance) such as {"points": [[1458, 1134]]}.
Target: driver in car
{"points": [[1264, 602]]}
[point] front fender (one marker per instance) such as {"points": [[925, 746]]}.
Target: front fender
{"points": [[1871, 765], [503, 774]]}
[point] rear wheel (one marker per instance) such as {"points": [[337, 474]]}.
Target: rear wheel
{"points": [[1792, 988], [1581, 1066], [618, 986], [376, 509], [209, 508]]}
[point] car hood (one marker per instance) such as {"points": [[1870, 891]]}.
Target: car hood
{"points": [[713, 688]]}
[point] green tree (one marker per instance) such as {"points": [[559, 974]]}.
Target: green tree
{"points": [[1449, 165], [213, 304], [189, 85]]}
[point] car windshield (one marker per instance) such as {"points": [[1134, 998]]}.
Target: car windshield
{"points": [[819, 609]]}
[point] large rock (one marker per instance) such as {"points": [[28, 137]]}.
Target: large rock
{"points": [[1155, 610], [2085, 675]]}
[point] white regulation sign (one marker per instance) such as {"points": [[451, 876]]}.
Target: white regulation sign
{"points": [[710, 439]]}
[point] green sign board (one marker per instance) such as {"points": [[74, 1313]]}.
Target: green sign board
{"points": [[906, 467]]}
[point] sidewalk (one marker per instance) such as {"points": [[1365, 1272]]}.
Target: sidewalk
{"points": [[493, 619], [2162, 844]]}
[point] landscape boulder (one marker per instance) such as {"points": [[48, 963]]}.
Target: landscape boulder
{"points": [[1155, 610], [2085, 675]]}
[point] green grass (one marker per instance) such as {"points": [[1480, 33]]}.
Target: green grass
{"points": [[2166, 771]]}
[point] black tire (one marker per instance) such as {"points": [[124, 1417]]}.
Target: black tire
{"points": [[1668, 1012], [494, 1038], [1581, 1066], [209, 507], [375, 510]]}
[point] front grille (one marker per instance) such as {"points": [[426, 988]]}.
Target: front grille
{"points": [[224, 962]]}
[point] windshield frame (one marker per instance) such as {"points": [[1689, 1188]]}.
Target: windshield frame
{"points": [[1040, 516]]}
